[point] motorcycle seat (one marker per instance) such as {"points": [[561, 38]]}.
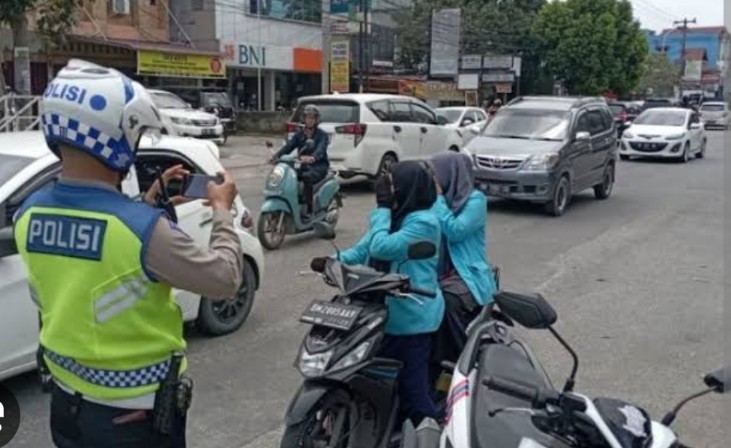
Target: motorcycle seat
{"points": [[330, 175]]}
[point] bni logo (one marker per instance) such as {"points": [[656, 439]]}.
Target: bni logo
{"points": [[9, 416]]}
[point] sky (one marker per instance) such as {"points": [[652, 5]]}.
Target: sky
{"points": [[660, 14]]}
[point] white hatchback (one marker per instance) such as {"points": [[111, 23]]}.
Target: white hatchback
{"points": [[26, 166], [468, 121], [673, 133], [715, 114], [370, 132], [182, 120]]}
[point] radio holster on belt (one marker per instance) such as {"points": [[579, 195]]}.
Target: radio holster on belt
{"points": [[173, 398]]}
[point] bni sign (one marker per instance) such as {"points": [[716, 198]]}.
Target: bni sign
{"points": [[252, 56]]}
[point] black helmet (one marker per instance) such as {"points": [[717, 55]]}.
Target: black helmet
{"points": [[311, 109]]}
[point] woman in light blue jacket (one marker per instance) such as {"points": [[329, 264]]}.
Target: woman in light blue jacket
{"points": [[404, 217], [465, 276]]}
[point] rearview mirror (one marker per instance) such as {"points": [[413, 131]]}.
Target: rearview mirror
{"points": [[719, 380], [324, 230], [7, 242], [422, 250], [582, 136], [696, 125], [475, 130], [467, 122], [441, 120], [529, 310]]}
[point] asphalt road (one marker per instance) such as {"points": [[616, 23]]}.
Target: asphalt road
{"points": [[637, 281]]}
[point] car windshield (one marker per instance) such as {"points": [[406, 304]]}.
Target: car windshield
{"points": [[662, 118], [529, 124], [215, 99], [452, 115], [165, 100], [657, 103], [712, 108], [11, 165], [616, 108], [331, 111]]}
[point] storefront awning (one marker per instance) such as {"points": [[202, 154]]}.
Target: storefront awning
{"points": [[166, 59]]}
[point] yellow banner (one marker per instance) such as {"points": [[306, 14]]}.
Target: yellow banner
{"points": [[184, 65], [340, 76]]}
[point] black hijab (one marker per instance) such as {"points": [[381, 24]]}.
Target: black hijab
{"points": [[456, 176], [414, 190]]}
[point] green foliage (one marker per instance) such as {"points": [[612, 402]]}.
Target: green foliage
{"points": [[55, 17], [593, 46], [661, 75]]}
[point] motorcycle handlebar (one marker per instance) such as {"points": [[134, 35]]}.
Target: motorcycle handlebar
{"points": [[422, 292], [512, 388]]}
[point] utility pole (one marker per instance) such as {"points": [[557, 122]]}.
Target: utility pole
{"points": [[361, 46], [685, 23], [366, 41], [326, 29]]}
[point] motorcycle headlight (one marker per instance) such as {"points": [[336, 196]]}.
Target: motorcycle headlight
{"points": [[354, 357], [675, 137], [313, 365], [541, 162], [275, 177], [180, 120]]}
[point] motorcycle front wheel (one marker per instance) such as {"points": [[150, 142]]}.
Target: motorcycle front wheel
{"points": [[271, 229], [327, 425]]}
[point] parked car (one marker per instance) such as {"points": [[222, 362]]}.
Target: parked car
{"points": [[716, 114], [675, 133], [182, 120], [545, 149], [370, 132], [26, 165], [622, 116], [468, 121], [652, 103], [212, 100]]}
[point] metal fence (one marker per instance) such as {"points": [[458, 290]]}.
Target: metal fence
{"points": [[19, 113]]}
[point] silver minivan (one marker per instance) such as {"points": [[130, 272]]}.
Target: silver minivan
{"points": [[715, 114]]}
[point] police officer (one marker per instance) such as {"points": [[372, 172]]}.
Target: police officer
{"points": [[102, 266]]}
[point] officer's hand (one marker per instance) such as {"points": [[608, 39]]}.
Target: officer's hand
{"points": [[222, 195], [176, 172]]}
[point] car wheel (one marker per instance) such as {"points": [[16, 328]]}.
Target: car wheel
{"points": [[561, 197], [624, 157], [702, 153], [221, 317], [685, 158], [271, 230], [604, 189]]}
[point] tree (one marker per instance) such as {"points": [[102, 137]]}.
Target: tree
{"points": [[592, 46], [661, 75], [55, 19]]}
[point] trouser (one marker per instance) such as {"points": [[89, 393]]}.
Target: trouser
{"points": [[309, 177], [413, 382], [77, 423]]}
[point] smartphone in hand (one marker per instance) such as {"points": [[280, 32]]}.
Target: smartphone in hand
{"points": [[195, 186]]}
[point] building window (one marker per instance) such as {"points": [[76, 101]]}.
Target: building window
{"points": [[304, 10], [197, 5]]}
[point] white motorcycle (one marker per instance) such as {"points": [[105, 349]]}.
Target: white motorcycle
{"points": [[500, 396]]}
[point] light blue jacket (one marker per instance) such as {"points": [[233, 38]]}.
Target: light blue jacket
{"points": [[406, 316], [465, 234]]}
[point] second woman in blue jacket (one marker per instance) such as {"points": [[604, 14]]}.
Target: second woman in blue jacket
{"points": [[404, 217], [465, 276]]}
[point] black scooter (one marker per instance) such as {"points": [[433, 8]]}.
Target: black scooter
{"points": [[349, 396]]}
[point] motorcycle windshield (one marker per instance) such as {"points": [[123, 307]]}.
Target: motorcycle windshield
{"points": [[506, 429]]}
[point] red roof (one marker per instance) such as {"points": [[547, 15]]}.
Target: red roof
{"points": [[695, 54], [698, 30]]}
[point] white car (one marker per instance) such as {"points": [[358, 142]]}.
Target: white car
{"points": [[716, 114], [26, 165], [468, 121], [182, 120], [673, 133], [369, 132]]}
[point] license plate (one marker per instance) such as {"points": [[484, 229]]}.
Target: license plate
{"points": [[209, 131], [331, 315]]}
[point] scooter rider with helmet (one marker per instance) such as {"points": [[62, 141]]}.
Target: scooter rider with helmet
{"points": [[102, 267], [311, 143]]}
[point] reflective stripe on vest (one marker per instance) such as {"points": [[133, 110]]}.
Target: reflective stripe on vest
{"points": [[120, 299], [112, 378]]}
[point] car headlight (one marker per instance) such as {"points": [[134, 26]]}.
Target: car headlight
{"points": [[541, 162], [675, 136], [628, 134], [276, 176], [181, 120], [313, 365], [354, 357]]}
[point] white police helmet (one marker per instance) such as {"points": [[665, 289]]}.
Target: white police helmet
{"points": [[97, 110]]}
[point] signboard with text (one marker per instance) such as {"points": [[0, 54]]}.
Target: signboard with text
{"points": [[158, 63], [445, 36], [340, 76]]}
